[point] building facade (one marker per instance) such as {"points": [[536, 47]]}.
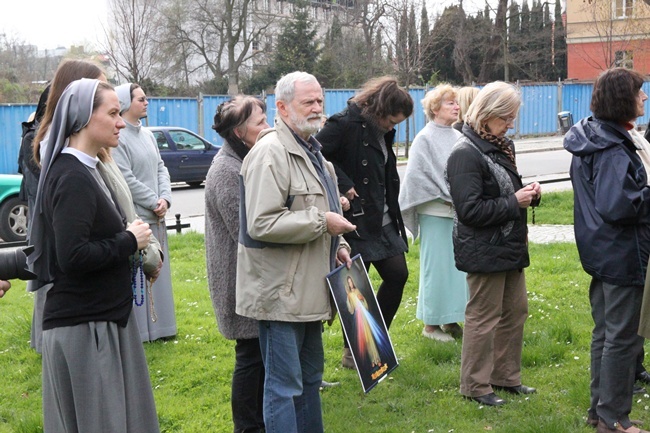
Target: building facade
{"points": [[606, 33]]}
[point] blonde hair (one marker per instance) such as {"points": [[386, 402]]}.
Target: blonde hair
{"points": [[433, 99], [465, 97], [496, 99]]}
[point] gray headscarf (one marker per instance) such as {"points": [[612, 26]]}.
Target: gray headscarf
{"points": [[124, 95], [72, 114]]}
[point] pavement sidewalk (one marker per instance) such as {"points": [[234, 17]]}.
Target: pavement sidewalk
{"points": [[549, 233], [537, 233], [524, 145]]}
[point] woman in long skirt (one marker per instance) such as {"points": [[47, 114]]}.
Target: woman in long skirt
{"points": [[138, 158], [95, 376]]}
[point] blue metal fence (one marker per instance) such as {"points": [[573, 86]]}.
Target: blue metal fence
{"points": [[11, 118], [538, 114]]}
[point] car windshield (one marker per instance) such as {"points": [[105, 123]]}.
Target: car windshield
{"points": [[186, 141]]}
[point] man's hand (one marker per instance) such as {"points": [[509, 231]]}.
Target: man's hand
{"points": [[337, 224], [343, 257]]}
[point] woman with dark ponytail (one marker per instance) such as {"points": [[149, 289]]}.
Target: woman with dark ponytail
{"points": [[238, 121]]}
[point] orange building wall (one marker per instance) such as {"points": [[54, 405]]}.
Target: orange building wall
{"points": [[585, 61]]}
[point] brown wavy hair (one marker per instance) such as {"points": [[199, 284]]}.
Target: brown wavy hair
{"points": [[382, 97], [615, 93]]}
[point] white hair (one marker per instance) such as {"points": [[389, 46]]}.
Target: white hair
{"points": [[286, 86]]}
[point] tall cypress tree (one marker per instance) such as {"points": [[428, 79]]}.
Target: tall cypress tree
{"points": [[425, 46], [559, 38], [514, 45], [413, 48]]}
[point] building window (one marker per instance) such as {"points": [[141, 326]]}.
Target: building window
{"points": [[624, 59], [266, 5], [268, 43], [256, 45], [623, 8]]}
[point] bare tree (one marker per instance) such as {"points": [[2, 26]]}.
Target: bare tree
{"points": [[130, 39], [617, 28], [369, 16], [220, 36]]}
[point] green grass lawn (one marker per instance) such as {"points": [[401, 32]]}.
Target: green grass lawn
{"points": [[555, 208], [191, 374]]}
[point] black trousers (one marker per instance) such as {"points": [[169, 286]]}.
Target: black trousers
{"points": [[248, 387]]}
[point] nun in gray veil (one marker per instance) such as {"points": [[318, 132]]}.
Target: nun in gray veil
{"points": [[95, 376]]}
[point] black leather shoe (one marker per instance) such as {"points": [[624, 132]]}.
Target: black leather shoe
{"points": [[519, 389], [643, 377], [490, 399], [638, 390]]}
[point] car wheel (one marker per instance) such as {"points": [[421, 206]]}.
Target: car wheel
{"points": [[13, 220], [195, 184]]}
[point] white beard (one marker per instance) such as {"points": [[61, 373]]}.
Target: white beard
{"points": [[306, 126]]}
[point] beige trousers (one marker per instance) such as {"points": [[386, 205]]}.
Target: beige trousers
{"points": [[493, 334]]}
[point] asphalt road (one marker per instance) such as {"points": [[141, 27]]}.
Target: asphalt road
{"points": [[537, 159]]}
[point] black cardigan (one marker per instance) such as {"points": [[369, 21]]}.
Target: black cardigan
{"points": [[348, 142], [92, 277]]}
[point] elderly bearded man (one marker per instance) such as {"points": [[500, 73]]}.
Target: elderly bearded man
{"points": [[290, 238]]}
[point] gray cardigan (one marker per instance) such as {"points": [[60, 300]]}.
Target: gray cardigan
{"points": [[221, 238], [139, 160]]}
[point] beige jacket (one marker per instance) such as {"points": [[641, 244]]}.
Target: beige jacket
{"points": [[282, 263]]}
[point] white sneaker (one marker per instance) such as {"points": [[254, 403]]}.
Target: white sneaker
{"points": [[438, 335]]}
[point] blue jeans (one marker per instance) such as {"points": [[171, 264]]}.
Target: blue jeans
{"points": [[293, 361]]}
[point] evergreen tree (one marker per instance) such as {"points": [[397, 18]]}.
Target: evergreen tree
{"points": [[401, 45], [559, 45], [328, 68], [426, 68], [296, 50], [514, 46], [440, 52], [413, 49]]}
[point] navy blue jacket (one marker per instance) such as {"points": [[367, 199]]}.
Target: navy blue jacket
{"points": [[611, 202]]}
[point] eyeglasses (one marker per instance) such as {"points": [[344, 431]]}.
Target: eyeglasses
{"points": [[508, 119]]}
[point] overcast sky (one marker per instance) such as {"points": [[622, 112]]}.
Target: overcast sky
{"points": [[53, 23]]}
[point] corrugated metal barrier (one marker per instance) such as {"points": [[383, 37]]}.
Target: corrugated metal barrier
{"points": [[538, 115]]}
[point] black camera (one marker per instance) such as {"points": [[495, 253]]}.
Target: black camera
{"points": [[13, 263]]}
